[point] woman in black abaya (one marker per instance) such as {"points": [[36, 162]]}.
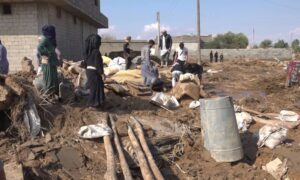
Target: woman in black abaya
{"points": [[94, 71]]}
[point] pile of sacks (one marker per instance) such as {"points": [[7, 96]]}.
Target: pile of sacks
{"points": [[189, 85]]}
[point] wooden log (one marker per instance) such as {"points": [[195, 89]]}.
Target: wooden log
{"points": [[111, 173], [277, 123], [123, 162], [139, 130], [145, 169]]}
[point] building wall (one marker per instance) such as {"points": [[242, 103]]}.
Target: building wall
{"points": [[18, 33], [70, 34]]}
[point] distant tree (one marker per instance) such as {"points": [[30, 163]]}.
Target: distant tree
{"points": [[228, 41], [296, 45], [266, 44], [281, 44]]}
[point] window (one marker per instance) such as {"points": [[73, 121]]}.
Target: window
{"points": [[6, 9], [58, 12], [96, 2], [74, 20]]}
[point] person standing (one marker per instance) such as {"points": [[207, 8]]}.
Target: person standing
{"points": [[165, 45], [49, 61], [94, 71], [4, 65], [216, 56], [181, 54], [211, 55], [149, 71], [127, 52], [221, 57]]}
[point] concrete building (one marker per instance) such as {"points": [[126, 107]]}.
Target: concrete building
{"points": [[21, 22]]}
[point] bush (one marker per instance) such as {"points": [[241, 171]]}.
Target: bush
{"points": [[228, 41], [281, 44], [266, 44], [296, 45]]}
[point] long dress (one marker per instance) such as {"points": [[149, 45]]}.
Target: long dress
{"points": [[95, 82], [50, 79], [149, 71], [4, 65]]}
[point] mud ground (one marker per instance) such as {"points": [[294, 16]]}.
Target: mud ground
{"points": [[258, 85]]}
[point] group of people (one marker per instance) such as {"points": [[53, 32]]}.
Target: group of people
{"points": [[215, 56], [49, 59]]}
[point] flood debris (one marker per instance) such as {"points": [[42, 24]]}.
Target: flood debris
{"points": [[271, 136], [277, 168]]}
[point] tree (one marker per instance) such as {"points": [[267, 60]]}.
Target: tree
{"points": [[266, 44], [281, 44], [228, 41], [296, 45]]}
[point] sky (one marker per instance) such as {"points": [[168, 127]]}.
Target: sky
{"points": [[270, 19]]}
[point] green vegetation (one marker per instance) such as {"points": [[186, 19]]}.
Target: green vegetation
{"points": [[296, 45], [281, 44], [266, 44], [228, 41]]}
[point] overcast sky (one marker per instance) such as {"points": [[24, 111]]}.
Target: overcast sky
{"points": [[272, 19]]}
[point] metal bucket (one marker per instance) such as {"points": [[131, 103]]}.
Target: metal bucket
{"points": [[220, 130]]}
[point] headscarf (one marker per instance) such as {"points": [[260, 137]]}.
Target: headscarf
{"points": [[93, 42], [50, 33]]}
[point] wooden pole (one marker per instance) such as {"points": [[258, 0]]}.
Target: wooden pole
{"points": [[145, 169], [123, 162], [110, 160], [139, 130], [199, 33]]}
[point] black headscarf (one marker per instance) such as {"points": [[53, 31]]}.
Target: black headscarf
{"points": [[93, 42], [50, 33]]}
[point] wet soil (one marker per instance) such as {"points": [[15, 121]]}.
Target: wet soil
{"points": [[258, 85]]}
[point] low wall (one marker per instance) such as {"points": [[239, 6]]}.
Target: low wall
{"points": [[113, 46], [229, 54], [235, 54]]}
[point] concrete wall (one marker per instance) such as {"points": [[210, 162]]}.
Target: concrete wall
{"points": [[18, 32], [111, 46], [235, 54]]}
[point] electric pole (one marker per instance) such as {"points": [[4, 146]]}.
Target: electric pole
{"points": [[199, 33], [253, 38], [158, 33]]}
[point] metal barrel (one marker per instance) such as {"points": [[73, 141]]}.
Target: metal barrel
{"points": [[220, 130]]}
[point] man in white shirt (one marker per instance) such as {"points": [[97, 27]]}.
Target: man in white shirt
{"points": [[181, 54], [165, 45]]}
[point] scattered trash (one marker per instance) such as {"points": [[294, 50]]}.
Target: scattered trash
{"points": [[243, 120], [289, 116], [277, 168], [194, 104], [32, 119], [169, 102], [118, 62], [94, 131], [271, 136], [13, 170], [210, 71]]}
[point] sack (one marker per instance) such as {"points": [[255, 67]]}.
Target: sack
{"points": [[45, 59], [271, 136]]}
